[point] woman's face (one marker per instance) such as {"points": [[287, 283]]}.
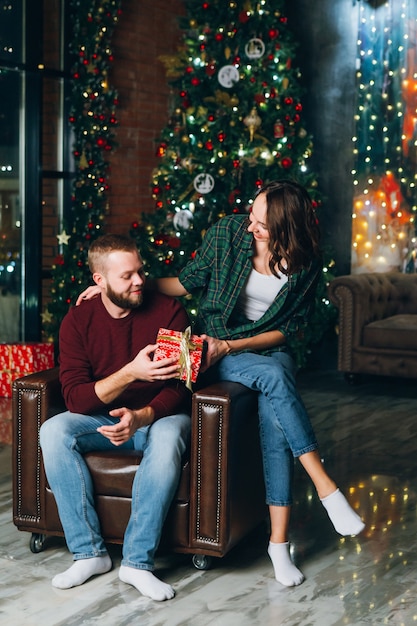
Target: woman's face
{"points": [[257, 219]]}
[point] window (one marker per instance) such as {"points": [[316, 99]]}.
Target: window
{"points": [[35, 157]]}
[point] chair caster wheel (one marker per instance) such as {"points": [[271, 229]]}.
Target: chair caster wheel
{"points": [[201, 561], [37, 542]]}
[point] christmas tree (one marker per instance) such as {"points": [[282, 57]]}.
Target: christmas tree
{"points": [[236, 123], [93, 120]]}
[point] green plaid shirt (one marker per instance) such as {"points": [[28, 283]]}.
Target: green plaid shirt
{"points": [[221, 268]]}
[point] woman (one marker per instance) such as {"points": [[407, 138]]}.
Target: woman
{"points": [[259, 275]]}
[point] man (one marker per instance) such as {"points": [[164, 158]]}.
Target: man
{"points": [[117, 395]]}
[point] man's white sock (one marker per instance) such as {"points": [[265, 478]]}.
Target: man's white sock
{"points": [[146, 583], [82, 570]]}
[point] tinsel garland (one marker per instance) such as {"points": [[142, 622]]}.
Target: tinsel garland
{"points": [[93, 121]]}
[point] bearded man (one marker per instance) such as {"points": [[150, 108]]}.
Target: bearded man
{"points": [[117, 396]]}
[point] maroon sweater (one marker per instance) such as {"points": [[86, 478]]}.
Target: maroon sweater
{"points": [[93, 345]]}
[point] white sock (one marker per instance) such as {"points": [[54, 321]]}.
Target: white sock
{"points": [[342, 516], [81, 571], [285, 571], [146, 583]]}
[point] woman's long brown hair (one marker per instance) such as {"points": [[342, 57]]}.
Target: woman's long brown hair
{"points": [[294, 234]]}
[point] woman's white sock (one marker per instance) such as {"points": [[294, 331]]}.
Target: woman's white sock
{"points": [[285, 571], [342, 516]]}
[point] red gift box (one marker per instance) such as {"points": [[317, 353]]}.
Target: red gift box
{"points": [[187, 347], [19, 359]]}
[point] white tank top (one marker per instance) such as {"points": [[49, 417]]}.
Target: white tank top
{"points": [[259, 293]]}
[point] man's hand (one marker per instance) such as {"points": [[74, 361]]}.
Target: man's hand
{"points": [[129, 422], [144, 368]]}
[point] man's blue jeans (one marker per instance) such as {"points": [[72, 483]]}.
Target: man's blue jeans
{"points": [[66, 437], [285, 428]]}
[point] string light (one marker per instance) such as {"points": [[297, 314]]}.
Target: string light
{"points": [[385, 139]]}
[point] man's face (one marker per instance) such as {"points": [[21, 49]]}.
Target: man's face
{"points": [[124, 279]]}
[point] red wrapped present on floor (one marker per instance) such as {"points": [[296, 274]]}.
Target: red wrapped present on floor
{"points": [[18, 359], [187, 347]]}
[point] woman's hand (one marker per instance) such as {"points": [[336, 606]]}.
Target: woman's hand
{"points": [[91, 292], [216, 350]]}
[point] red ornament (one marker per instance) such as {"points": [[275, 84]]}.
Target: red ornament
{"points": [[244, 17], [211, 118], [236, 163], [209, 145], [210, 69], [219, 36], [135, 225], [279, 130], [259, 98], [298, 106], [286, 163], [174, 242], [195, 81], [259, 183], [221, 137], [189, 70], [288, 100], [273, 33], [205, 5]]}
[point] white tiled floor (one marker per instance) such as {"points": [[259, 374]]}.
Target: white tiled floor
{"points": [[369, 444]]}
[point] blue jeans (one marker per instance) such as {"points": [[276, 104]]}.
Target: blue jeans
{"points": [[67, 436], [285, 428]]}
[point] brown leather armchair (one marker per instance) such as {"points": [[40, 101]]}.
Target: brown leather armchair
{"points": [[220, 498], [377, 323]]}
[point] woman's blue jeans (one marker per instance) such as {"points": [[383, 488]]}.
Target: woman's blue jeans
{"points": [[66, 437], [285, 428]]}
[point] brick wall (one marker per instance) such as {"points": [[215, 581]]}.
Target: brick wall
{"points": [[146, 30]]}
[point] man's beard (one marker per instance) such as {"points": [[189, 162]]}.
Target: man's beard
{"points": [[122, 301]]}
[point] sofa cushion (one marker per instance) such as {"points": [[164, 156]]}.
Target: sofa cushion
{"points": [[398, 332]]}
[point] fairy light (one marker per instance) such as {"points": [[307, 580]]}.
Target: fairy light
{"points": [[384, 144]]}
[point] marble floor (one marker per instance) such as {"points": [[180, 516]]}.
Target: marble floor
{"points": [[368, 438]]}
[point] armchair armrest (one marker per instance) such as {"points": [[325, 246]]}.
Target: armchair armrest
{"points": [[37, 397], [227, 487]]}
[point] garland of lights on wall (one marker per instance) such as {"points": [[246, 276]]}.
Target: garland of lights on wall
{"points": [[93, 120], [385, 141]]}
